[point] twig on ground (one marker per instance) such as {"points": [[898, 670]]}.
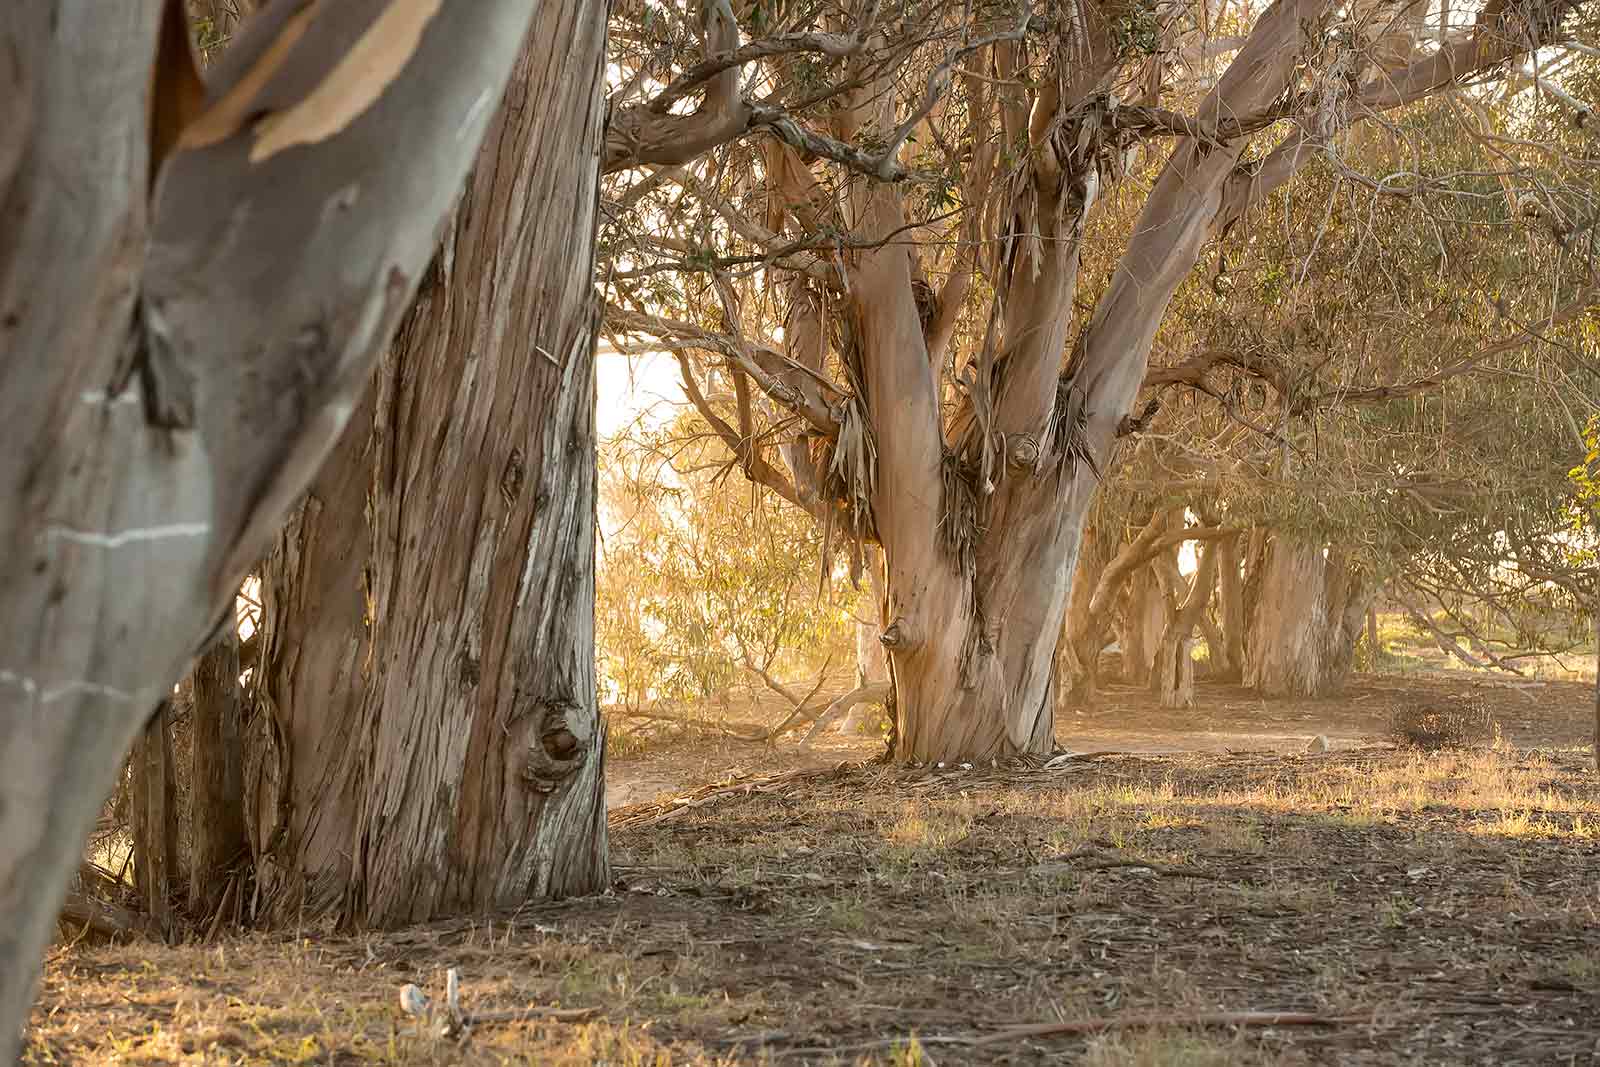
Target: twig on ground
{"points": [[1138, 1022], [1095, 860], [1095, 1026]]}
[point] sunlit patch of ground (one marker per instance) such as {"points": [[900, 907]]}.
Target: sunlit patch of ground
{"points": [[1409, 908]]}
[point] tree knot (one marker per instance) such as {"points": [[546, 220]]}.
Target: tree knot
{"points": [[560, 741], [899, 637]]}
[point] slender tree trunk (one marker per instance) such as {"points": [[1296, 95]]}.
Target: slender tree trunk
{"points": [[432, 666], [1309, 613], [872, 665], [1172, 679], [1082, 638], [154, 826], [217, 841], [1230, 598], [1374, 643]]}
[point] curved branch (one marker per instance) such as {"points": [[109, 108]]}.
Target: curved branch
{"points": [[1485, 47], [754, 465]]}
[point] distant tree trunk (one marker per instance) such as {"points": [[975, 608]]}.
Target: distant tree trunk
{"points": [[217, 841], [1374, 644], [1308, 614], [1172, 678], [872, 665], [1230, 657], [1144, 620], [1078, 656], [431, 667], [1092, 603], [154, 823]]}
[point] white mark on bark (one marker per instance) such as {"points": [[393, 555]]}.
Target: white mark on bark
{"points": [[123, 537], [479, 104], [67, 689], [26, 684], [98, 396]]}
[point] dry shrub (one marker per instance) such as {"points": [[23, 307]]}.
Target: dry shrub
{"points": [[1444, 722]]}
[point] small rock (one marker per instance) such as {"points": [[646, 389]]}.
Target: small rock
{"points": [[1318, 744]]}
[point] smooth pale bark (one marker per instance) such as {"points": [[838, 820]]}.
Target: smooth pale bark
{"points": [[1082, 636], [974, 620], [973, 657], [430, 616], [217, 841], [265, 276], [1172, 676], [1144, 620], [1308, 614], [1230, 601]]}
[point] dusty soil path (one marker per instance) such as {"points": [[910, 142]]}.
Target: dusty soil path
{"points": [[1549, 715]]}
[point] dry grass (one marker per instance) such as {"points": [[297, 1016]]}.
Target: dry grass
{"points": [[1446, 903]]}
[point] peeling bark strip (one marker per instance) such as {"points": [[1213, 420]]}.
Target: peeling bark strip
{"points": [[353, 85], [261, 291]]}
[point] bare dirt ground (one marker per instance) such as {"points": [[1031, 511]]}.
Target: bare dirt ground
{"points": [[1246, 902], [1228, 718]]}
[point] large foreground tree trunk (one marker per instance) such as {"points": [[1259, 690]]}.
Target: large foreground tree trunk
{"points": [[431, 658], [245, 250], [1308, 613]]}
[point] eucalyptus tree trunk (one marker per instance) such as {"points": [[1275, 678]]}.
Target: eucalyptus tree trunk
{"points": [[1231, 618], [217, 840], [976, 607], [153, 817], [244, 248], [1144, 620], [1082, 636], [429, 651], [1172, 675], [1308, 614], [978, 495]]}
